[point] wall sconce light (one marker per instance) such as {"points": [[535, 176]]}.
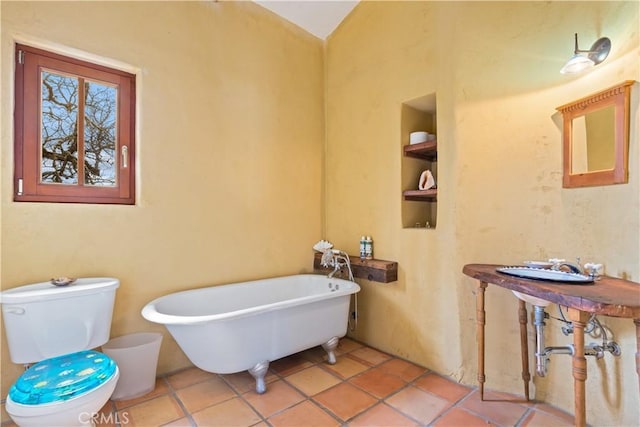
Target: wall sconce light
{"points": [[579, 62]]}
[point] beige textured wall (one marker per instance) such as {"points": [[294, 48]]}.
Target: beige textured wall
{"points": [[231, 132], [495, 70], [230, 143]]}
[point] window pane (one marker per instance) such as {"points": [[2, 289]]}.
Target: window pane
{"points": [[100, 112], [74, 119], [59, 130]]}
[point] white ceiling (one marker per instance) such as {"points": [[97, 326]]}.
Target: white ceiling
{"points": [[318, 17]]}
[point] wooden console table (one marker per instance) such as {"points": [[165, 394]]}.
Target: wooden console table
{"points": [[608, 296]]}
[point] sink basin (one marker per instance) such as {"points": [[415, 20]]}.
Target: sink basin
{"points": [[532, 300], [546, 274]]}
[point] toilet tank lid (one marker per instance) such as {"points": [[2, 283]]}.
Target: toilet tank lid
{"points": [[48, 291], [62, 378]]}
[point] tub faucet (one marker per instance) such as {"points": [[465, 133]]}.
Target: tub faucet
{"points": [[336, 259], [338, 264]]}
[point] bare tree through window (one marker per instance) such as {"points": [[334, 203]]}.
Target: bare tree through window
{"points": [[74, 128], [100, 134], [59, 132]]}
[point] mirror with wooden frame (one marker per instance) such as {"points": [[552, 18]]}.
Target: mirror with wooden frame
{"points": [[595, 138]]}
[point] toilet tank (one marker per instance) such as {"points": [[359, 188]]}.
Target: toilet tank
{"points": [[43, 320]]}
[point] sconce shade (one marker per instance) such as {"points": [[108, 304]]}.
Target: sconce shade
{"points": [[576, 64], [583, 59]]}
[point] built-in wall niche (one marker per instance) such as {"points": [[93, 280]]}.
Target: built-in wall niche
{"points": [[419, 206]]}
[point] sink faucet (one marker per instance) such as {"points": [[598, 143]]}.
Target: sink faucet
{"points": [[573, 267], [590, 269], [558, 263]]}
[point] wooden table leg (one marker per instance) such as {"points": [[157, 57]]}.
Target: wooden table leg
{"points": [[637, 322], [480, 322], [524, 346], [579, 320]]}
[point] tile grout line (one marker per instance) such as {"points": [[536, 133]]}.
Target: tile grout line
{"points": [[451, 404], [406, 386], [379, 400], [322, 365], [369, 367], [174, 394], [243, 399], [383, 400], [309, 398], [280, 377], [524, 417]]}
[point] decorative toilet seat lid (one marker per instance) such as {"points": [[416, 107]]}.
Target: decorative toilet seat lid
{"points": [[62, 378]]}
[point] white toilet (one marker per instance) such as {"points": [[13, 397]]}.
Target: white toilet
{"points": [[56, 326]]}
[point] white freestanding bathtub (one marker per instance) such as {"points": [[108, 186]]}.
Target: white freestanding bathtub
{"points": [[243, 326]]}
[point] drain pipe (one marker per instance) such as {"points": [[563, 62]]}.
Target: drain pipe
{"points": [[541, 357], [543, 352]]}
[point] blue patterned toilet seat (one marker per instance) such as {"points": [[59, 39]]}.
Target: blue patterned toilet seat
{"points": [[62, 378]]}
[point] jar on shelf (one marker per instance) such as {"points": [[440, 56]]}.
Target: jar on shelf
{"points": [[368, 247]]}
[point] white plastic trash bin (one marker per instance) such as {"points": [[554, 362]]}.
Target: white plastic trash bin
{"points": [[137, 358]]}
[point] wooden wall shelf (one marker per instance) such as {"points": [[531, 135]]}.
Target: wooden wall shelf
{"points": [[424, 150], [375, 270], [429, 195]]}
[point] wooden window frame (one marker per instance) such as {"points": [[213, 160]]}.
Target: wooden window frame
{"points": [[28, 187]]}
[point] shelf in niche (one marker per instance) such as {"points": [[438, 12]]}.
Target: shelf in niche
{"points": [[425, 150], [429, 195]]}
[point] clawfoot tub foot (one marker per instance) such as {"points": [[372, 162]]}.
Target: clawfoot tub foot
{"points": [[259, 371], [329, 347]]}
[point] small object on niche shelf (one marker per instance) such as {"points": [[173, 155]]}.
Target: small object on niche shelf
{"points": [[363, 247], [418, 137], [426, 181], [368, 247]]}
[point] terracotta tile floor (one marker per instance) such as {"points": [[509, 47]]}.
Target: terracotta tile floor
{"points": [[365, 387]]}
